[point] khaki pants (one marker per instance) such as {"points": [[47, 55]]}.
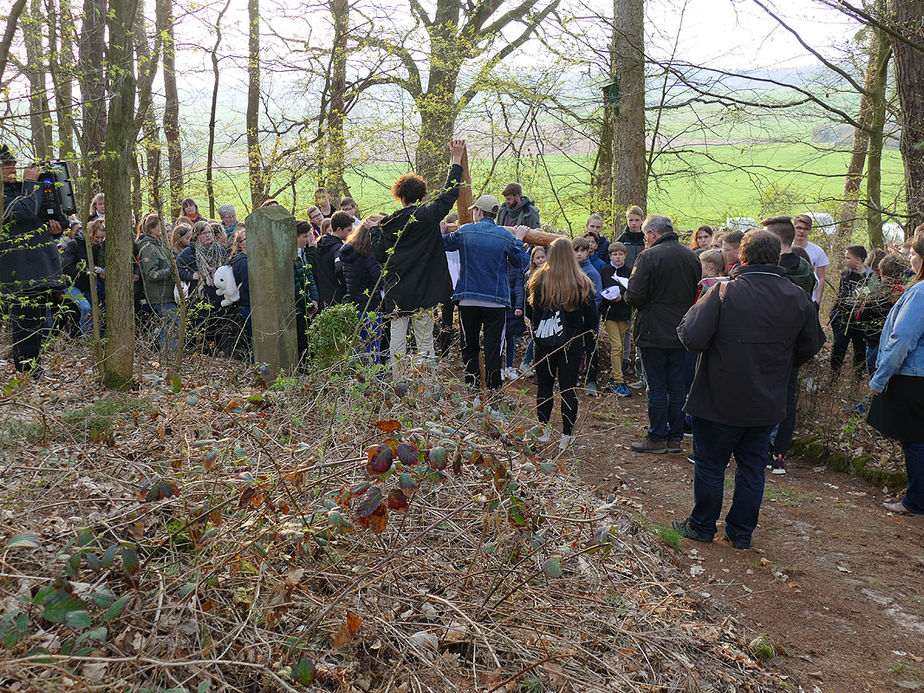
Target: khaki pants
{"points": [[616, 333], [423, 334]]}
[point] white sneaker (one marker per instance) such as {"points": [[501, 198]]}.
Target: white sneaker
{"points": [[526, 369], [566, 442], [512, 373], [546, 435]]}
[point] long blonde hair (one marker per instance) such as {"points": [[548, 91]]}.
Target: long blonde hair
{"points": [[560, 282]]}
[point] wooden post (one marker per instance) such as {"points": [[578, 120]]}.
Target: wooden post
{"points": [[465, 192], [270, 267]]}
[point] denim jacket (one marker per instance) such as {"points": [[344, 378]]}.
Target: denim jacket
{"points": [[901, 348], [485, 250]]}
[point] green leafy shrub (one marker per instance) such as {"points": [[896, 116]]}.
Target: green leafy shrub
{"points": [[332, 335]]}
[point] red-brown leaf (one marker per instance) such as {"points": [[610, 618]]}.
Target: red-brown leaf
{"points": [[389, 425]]}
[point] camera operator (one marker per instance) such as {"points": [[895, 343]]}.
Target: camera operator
{"points": [[30, 265]]}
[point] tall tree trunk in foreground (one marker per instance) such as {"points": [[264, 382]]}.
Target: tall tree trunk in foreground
{"points": [[117, 366], [630, 182]]}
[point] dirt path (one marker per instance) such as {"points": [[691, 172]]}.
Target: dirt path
{"points": [[832, 579]]}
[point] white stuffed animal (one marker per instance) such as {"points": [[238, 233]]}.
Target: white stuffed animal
{"points": [[225, 286]]}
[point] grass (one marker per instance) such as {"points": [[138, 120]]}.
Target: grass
{"points": [[669, 536], [784, 495], [697, 184], [92, 422]]}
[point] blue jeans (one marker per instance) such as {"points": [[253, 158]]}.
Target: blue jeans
{"points": [[528, 356], [664, 375], [781, 438], [914, 465], [872, 353], [370, 335], [715, 443], [167, 337], [86, 310]]}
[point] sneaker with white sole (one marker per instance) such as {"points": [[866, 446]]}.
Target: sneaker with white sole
{"points": [[591, 389], [777, 465], [637, 385], [566, 442], [512, 373]]}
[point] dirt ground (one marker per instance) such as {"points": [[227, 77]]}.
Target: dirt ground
{"points": [[831, 578]]}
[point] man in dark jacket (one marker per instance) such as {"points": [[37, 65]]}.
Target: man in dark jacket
{"points": [[751, 332], [799, 272], [331, 288], [410, 248], [662, 287], [30, 264], [517, 210]]}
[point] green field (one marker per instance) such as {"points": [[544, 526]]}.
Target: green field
{"points": [[701, 184]]}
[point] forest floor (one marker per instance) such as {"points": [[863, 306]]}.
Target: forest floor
{"points": [[832, 579]]}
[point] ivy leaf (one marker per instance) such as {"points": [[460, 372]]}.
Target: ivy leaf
{"points": [[26, 540]]}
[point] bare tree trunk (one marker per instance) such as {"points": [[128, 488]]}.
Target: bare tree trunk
{"points": [[118, 364], [210, 156], [254, 159], [909, 76], [35, 69], [153, 173], [91, 76], [882, 51], [336, 113], [61, 38], [602, 172], [164, 10], [630, 182], [12, 21]]}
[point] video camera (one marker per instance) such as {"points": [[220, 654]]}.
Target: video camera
{"points": [[58, 201]]}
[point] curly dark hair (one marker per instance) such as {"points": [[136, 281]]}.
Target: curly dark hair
{"points": [[410, 187]]}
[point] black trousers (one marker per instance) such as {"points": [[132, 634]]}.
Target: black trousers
{"points": [[28, 326], [493, 321], [562, 364], [844, 336]]}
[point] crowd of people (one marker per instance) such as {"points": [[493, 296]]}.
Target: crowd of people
{"points": [[682, 320]]}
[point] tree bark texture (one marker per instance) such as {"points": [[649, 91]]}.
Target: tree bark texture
{"points": [[61, 38], [92, 79], [881, 50], [630, 181], [336, 112], [908, 19], [35, 70], [254, 158], [117, 367], [216, 75], [164, 9], [602, 172]]}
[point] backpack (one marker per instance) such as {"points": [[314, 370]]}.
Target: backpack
{"points": [[550, 330]]}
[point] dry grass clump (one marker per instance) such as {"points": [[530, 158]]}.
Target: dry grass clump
{"points": [[219, 534]]}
